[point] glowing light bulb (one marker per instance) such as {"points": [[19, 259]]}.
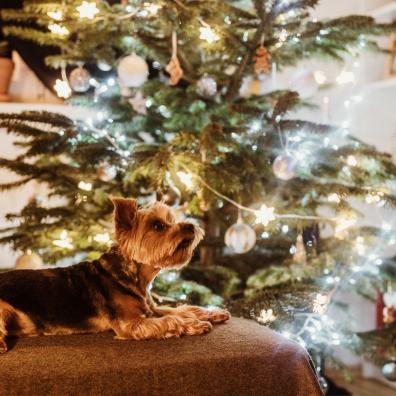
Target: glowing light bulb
{"points": [[351, 160], [334, 198], [62, 88], [208, 34], [56, 15], [186, 179], [102, 238], [266, 316], [320, 303], [320, 77], [64, 241], [58, 29], [85, 186], [152, 8], [265, 215], [87, 10]]}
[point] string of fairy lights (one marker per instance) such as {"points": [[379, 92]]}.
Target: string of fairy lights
{"points": [[315, 321]]}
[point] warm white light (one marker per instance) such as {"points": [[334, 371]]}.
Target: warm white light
{"points": [[152, 8], [62, 88], [58, 29], [334, 198], [87, 10], [320, 77], [102, 238], [208, 34], [346, 77], [85, 186], [351, 160], [186, 179], [64, 241], [360, 246], [320, 303], [265, 215], [56, 15], [266, 316]]}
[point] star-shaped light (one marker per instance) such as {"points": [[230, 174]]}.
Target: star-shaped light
{"points": [[62, 88], [58, 29], [56, 15], [265, 215], [87, 10], [208, 34]]}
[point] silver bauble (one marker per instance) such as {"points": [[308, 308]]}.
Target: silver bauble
{"points": [[389, 371], [284, 167], [107, 172], [240, 237], [29, 261], [207, 86], [104, 66], [304, 82], [133, 71], [79, 79]]}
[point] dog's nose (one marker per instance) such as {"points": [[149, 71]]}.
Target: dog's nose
{"points": [[188, 227]]}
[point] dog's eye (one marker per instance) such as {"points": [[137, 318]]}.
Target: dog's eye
{"points": [[158, 225]]}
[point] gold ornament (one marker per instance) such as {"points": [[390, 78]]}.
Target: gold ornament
{"points": [[29, 260], [173, 67], [300, 254], [390, 306], [261, 60]]}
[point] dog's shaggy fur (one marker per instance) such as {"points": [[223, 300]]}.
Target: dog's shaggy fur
{"points": [[113, 292]]}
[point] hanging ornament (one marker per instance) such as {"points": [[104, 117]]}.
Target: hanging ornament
{"points": [[261, 60], [389, 371], [300, 254], [138, 103], [207, 86], [173, 67], [240, 237], [79, 79], [29, 260], [104, 66], [106, 172], [133, 71], [284, 166], [390, 306], [304, 82]]}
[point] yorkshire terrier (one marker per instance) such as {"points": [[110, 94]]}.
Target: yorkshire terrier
{"points": [[113, 292]]}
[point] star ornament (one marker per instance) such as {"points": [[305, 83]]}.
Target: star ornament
{"points": [[62, 89], [87, 10], [265, 215]]}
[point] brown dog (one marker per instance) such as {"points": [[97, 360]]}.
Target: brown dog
{"points": [[112, 293]]}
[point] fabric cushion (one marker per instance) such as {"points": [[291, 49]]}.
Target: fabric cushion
{"points": [[236, 358]]}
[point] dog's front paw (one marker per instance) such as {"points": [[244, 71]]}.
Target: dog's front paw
{"points": [[3, 346], [218, 316], [196, 327]]}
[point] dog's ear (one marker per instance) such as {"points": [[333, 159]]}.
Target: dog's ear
{"points": [[125, 211]]}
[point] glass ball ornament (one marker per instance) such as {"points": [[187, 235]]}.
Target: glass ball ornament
{"points": [[106, 172], [304, 82], [207, 86], [240, 237], [284, 167], [104, 66], [389, 371], [79, 79], [29, 260], [133, 71]]}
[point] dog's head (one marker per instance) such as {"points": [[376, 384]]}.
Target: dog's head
{"points": [[150, 235]]}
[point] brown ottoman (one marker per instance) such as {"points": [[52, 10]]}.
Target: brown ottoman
{"points": [[238, 358]]}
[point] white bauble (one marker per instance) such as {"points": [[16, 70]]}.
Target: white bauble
{"points": [[104, 66], [207, 86], [133, 71], [79, 79], [389, 371], [240, 237], [304, 82], [284, 167], [29, 261]]}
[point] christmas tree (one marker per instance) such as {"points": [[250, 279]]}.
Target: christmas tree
{"points": [[175, 112]]}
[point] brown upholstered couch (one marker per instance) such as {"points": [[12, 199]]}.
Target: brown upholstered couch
{"points": [[239, 358]]}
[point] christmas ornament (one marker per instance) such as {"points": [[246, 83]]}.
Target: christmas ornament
{"points": [[240, 237], [207, 86], [106, 172], [390, 306], [261, 60], [304, 82], [138, 103], [79, 79], [389, 371], [104, 66], [133, 71], [300, 254], [29, 260], [173, 67], [62, 88], [284, 167]]}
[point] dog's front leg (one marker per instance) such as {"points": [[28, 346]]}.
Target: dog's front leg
{"points": [[190, 311], [159, 328]]}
